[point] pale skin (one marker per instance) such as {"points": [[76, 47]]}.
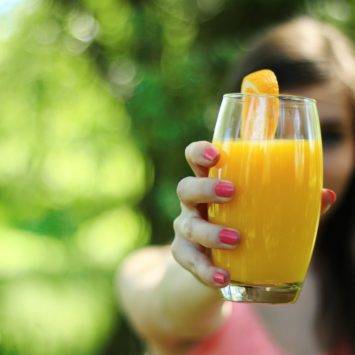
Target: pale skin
{"points": [[170, 294]]}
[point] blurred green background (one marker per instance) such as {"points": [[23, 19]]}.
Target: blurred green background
{"points": [[97, 101]]}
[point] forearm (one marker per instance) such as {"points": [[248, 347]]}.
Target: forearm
{"points": [[192, 308], [164, 302]]}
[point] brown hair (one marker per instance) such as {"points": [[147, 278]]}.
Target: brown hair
{"points": [[304, 52]]}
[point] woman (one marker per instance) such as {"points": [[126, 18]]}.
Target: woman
{"points": [[176, 313]]}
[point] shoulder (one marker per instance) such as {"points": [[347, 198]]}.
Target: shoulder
{"points": [[135, 282], [144, 259], [142, 267]]}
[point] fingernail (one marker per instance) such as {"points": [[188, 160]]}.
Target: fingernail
{"points": [[210, 153], [220, 278], [328, 200], [229, 236], [332, 196], [224, 189]]}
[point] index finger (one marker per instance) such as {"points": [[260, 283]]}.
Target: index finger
{"points": [[201, 156]]}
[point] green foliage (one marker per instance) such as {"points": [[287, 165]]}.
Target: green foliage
{"points": [[98, 101], [70, 178]]}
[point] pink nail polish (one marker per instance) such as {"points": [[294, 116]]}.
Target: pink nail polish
{"points": [[220, 278], [224, 189], [229, 236], [332, 196], [210, 154]]}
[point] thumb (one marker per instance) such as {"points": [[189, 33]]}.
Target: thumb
{"points": [[328, 199]]}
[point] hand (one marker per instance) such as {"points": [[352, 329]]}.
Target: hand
{"points": [[194, 235]]}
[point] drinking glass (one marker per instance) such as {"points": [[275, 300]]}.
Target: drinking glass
{"points": [[278, 180]]}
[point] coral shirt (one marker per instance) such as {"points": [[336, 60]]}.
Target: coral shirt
{"points": [[243, 333]]}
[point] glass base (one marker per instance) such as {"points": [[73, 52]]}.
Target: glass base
{"points": [[283, 293]]}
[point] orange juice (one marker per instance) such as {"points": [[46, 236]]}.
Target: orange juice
{"points": [[276, 208]]}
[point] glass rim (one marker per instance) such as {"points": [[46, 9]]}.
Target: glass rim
{"points": [[282, 97]]}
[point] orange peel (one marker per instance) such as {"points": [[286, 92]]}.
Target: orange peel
{"points": [[260, 113]]}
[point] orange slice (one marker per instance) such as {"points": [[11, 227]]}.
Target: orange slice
{"points": [[260, 113]]}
